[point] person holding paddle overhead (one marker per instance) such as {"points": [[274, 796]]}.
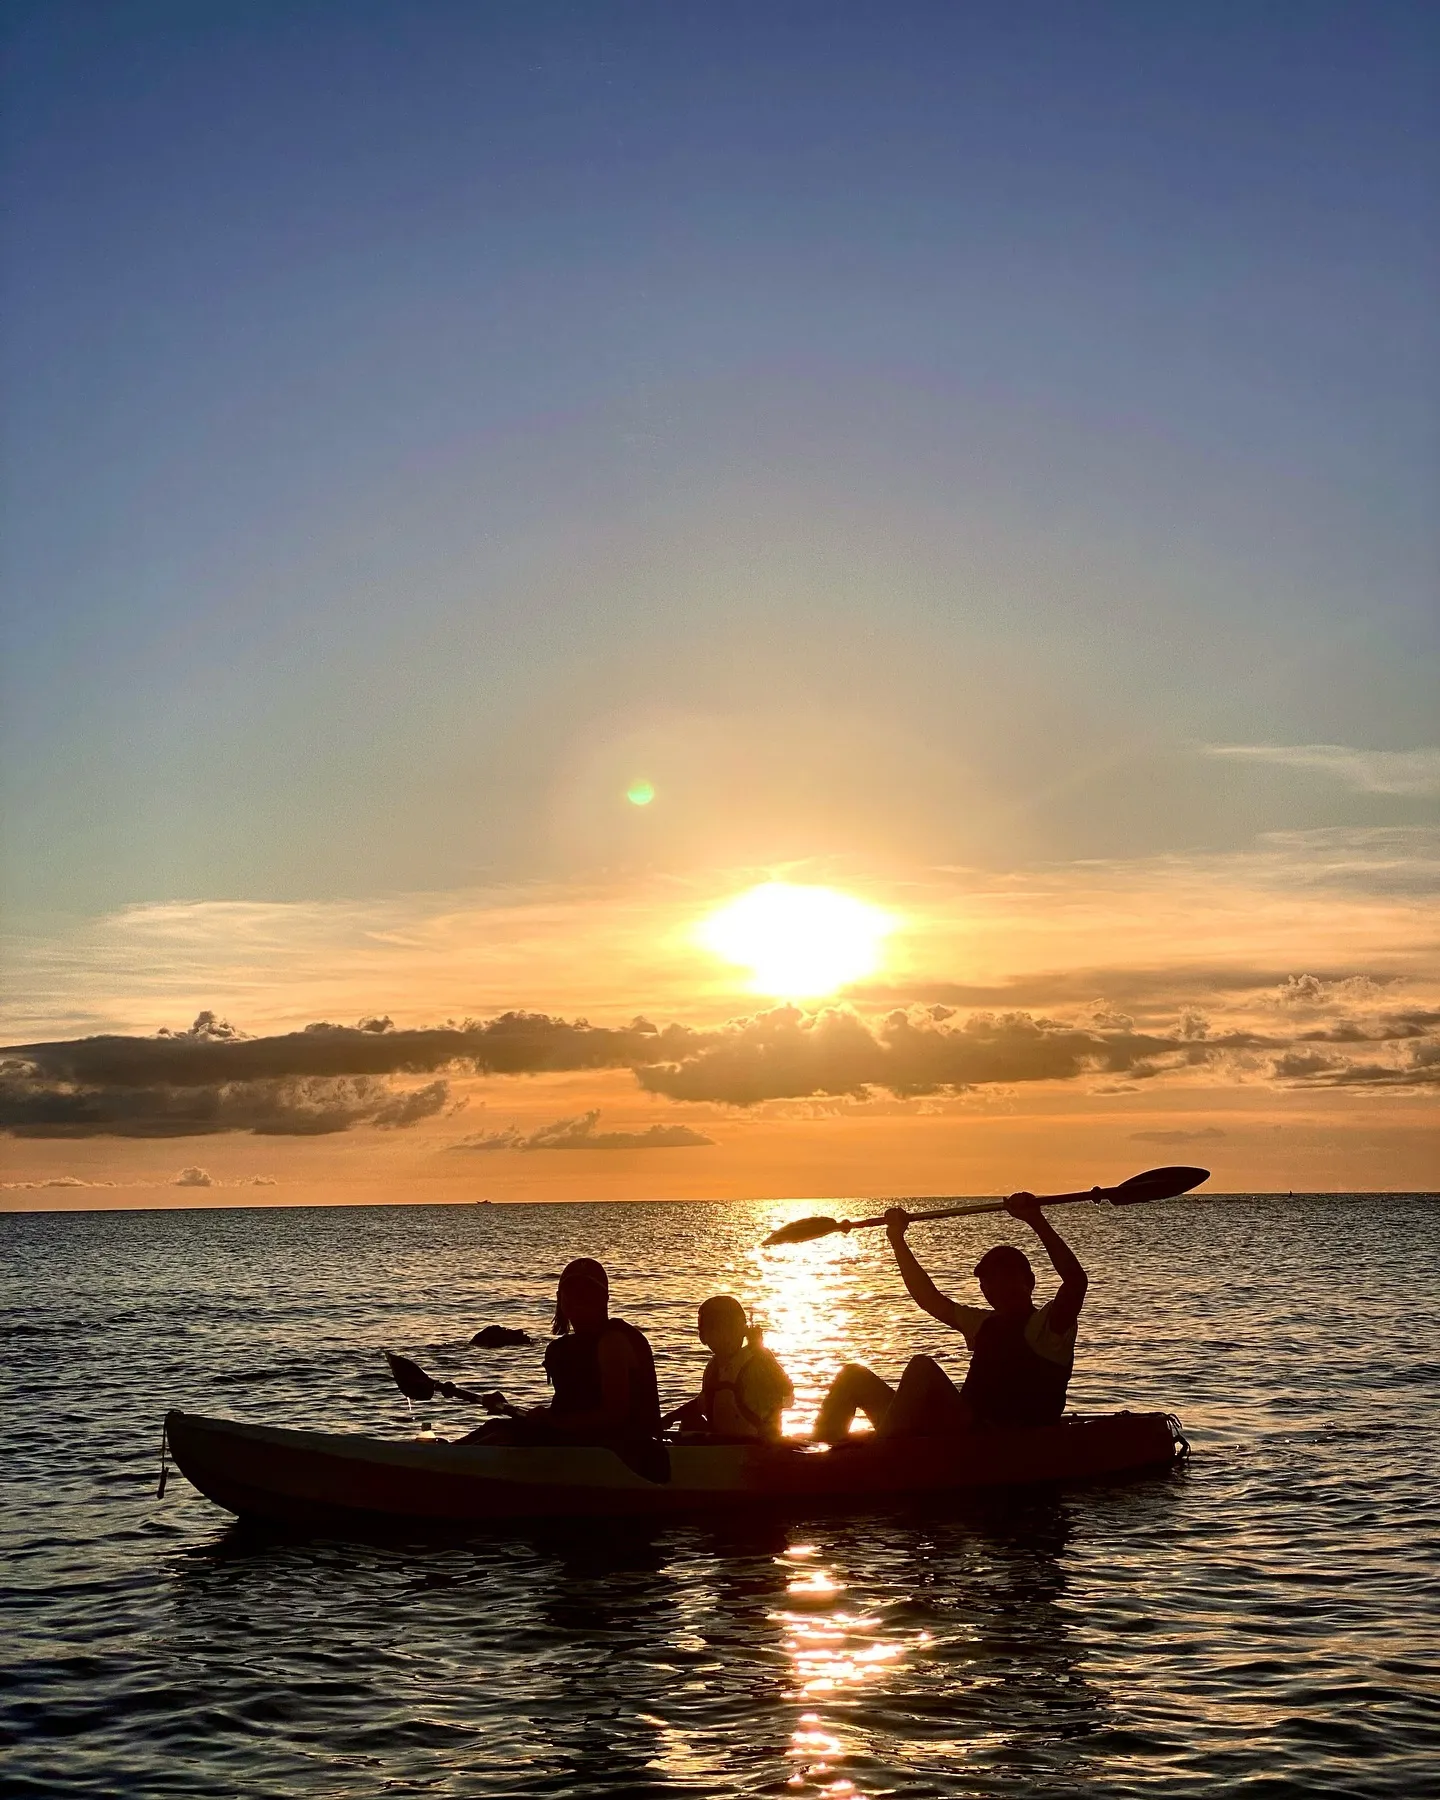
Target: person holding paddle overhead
{"points": [[1021, 1355]]}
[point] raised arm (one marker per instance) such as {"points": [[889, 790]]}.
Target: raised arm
{"points": [[1065, 1307], [921, 1289]]}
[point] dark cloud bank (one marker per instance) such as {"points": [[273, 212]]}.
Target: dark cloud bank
{"points": [[1319, 1032], [311, 1083]]}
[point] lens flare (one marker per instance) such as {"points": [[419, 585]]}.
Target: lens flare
{"points": [[798, 942], [640, 793]]}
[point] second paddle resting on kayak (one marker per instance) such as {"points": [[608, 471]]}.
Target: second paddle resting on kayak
{"points": [[1021, 1355]]}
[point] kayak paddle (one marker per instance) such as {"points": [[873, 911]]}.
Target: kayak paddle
{"points": [[415, 1384], [1154, 1184]]}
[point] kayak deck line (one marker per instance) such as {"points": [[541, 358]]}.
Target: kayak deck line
{"points": [[309, 1478]]}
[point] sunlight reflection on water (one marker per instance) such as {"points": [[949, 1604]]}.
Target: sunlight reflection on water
{"points": [[833, 1653], [812, 1308]]}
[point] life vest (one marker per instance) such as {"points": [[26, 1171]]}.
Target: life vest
{"points": [[728, 1397], [1009, 1382], [572, 1364]]}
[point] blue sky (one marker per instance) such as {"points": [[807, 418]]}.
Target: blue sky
{"points": [[980, 457], [910, 429]]}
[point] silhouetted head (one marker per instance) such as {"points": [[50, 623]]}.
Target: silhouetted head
{"points": [[1006, 1279], [582, 1300], [723, 1326]]}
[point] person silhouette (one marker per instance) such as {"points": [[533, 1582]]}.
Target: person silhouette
{"points": [[601, 1368], [1021, 1355], [744, 1391]]}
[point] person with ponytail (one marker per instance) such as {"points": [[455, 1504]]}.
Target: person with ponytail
{"points": [[744, 1390], [601, 1369]]}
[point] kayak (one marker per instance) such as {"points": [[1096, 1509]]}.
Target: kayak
{"points": [[316, 1478]]}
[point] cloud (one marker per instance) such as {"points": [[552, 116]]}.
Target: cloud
{"points": [[1296, 1064], [33, 1104], [1314, 993], [1204, 1136], [1150, 987], [332, 1078], [325, 1079], [1390, 862], [208, 1028], [1420, 1069], [202, 1178], [56, 1181], [515, 1043], [1388, 1028], [1413, 773], [579, 1133], [787, 1054]]}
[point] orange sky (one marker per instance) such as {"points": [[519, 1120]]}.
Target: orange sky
{"points": [[1272, 1080]]}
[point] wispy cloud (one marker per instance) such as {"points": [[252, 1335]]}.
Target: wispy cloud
{"points": [[1414, 773], [57, 1181], [1206, 1134], [1350, 898], [189, 1177], [579, 1133], [1146, 988], [1419, 1069], [202, 1178]]}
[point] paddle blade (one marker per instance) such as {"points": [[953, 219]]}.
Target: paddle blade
{"points": [[1156, 1184], [800, 1231], [410, 1378]]}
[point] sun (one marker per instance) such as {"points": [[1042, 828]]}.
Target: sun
{"points": [[798, 942]]}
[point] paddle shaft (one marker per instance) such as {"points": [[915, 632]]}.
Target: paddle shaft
{"points": [[449, 1391], [1153, 1184], [977, 1206]]}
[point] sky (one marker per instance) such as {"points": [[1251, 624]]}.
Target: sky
{"points": [[978, 460]]}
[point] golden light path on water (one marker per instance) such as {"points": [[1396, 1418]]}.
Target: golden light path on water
{"points": [[806, 1298], [834, 1651], [812, 1301]]}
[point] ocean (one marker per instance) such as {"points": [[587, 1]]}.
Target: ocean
{"points": [[1265, 1619]]}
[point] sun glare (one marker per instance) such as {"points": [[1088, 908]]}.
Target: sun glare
{"points": [[798, 942]]}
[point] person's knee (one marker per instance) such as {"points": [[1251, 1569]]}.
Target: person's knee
{"points": [[923, 1370]]}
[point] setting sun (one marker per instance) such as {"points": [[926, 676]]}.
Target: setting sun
{"points": [[798, 942]]}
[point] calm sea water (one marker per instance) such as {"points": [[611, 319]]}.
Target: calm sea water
{"points": [[1265, 1619]]}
